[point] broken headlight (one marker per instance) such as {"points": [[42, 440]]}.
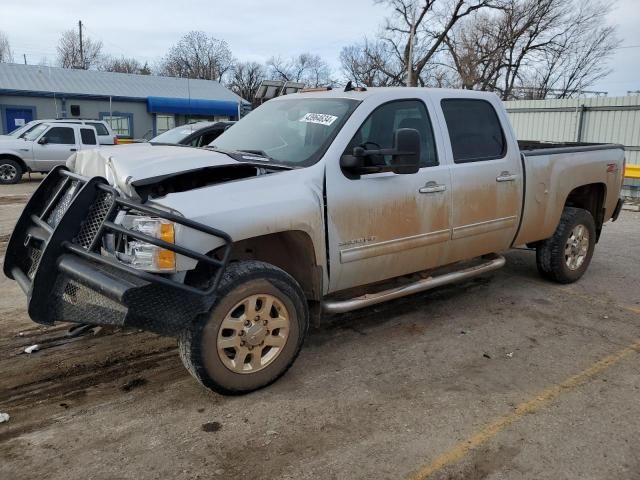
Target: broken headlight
{"points": [[142, 255]]}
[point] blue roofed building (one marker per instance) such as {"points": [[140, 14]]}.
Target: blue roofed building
{"points": [[136, 106]]}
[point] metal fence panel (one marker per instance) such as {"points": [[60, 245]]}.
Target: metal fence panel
{"points": [[592, 119]]}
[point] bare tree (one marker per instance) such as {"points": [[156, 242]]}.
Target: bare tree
{"points": [[198, 55], [6, 56], [417, 29], [529, 48], [371, 63], [310, 69], [69, 55], [124, 65], [578, 56], [245, 79], [477, 52]]}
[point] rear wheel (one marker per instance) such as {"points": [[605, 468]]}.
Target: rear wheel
{"points": [[565, 256], [253, 333], [10, 171]]}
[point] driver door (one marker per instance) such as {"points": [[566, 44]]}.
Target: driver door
{"points": [[59, 144], [384, 225]]}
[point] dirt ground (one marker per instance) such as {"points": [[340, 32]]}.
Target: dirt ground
{"points": [[502, 377]]}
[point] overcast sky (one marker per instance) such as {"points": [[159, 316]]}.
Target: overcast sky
{"points": [[254, 29]]}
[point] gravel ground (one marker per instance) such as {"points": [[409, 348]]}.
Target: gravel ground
{"points": [[472, 381]]}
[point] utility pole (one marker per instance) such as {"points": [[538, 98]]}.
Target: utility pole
{"points": [[81, 51], [412, 34], [25, 58]]}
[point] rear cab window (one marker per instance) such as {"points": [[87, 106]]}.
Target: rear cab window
{"points": [[88, 136], [100, 128], [474, 130]]}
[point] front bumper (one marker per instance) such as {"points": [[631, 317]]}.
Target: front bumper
{"points": [[53, 254]]}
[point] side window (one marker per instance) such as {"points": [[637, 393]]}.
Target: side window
{"points": [[100, 128], [474, 130], [378, 129], [88, 136], [121, 123], [60, 136]]}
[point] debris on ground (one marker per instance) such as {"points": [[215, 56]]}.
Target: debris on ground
{"points": [[509, 355], [486, 355], [32, 348], [271, 432], [4, 417], [211, 426], [133, 383]]}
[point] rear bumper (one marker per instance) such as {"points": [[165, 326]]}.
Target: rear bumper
{"points": [[616, 211], [53, 255]]}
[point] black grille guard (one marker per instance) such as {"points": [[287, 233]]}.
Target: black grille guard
{"points": [[53, 255]]}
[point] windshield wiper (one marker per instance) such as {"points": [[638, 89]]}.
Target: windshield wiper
{"points": [[247, 156], [260, 153]]}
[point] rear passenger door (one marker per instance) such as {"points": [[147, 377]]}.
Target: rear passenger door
{"points": [[54, 147], [88, 138], [486, 177]]}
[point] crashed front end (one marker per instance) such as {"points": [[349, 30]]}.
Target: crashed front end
{"points": [[62, 255]]}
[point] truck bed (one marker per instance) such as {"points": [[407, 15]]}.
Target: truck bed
{"points": [[532, 148]]}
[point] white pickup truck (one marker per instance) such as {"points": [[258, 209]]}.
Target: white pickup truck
{"points": [[43, 147], [325, 201]]}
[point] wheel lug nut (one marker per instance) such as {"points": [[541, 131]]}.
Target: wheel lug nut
{"points": [[241, 333], [257, 318], [247, 323], [250, 347], [243, 343], [264, 322]]}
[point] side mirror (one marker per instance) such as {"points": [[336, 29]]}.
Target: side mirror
{"points": [[43, 140], [405, 156]]}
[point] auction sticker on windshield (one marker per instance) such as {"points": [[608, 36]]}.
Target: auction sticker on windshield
{"points": [[321, 118]]}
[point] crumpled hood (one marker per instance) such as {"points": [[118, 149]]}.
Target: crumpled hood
{"points": [[123, 165]]}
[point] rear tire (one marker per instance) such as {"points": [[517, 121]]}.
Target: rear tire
{"points": [[10, 171], [565, 256], [253, 333]]}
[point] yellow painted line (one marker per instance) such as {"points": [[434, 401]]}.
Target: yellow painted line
{"points": [[633, 309], [457, 452]]}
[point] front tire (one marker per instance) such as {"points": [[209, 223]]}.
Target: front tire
{"points": [[565, 256], [253, 333], [10, 171]]}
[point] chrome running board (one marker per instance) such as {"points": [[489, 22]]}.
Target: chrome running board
{"points": [[494, 262]]}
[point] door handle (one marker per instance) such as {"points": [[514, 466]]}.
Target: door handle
{"points": [[506, 177], [73, 149], [433, 187], [24, 149]]}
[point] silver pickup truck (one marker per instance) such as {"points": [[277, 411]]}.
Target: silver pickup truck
{"points": [[44, 146], [325, 201]]}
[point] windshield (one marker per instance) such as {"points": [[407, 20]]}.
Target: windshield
{"points": [[175, 135], [293, 132], [35, 132], [20, 131]]}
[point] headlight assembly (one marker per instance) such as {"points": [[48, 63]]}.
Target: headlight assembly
{"points": [[145, 256]]}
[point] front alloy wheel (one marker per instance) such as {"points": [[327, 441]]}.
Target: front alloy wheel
{"points": [[252, 334], [10, 171]]}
